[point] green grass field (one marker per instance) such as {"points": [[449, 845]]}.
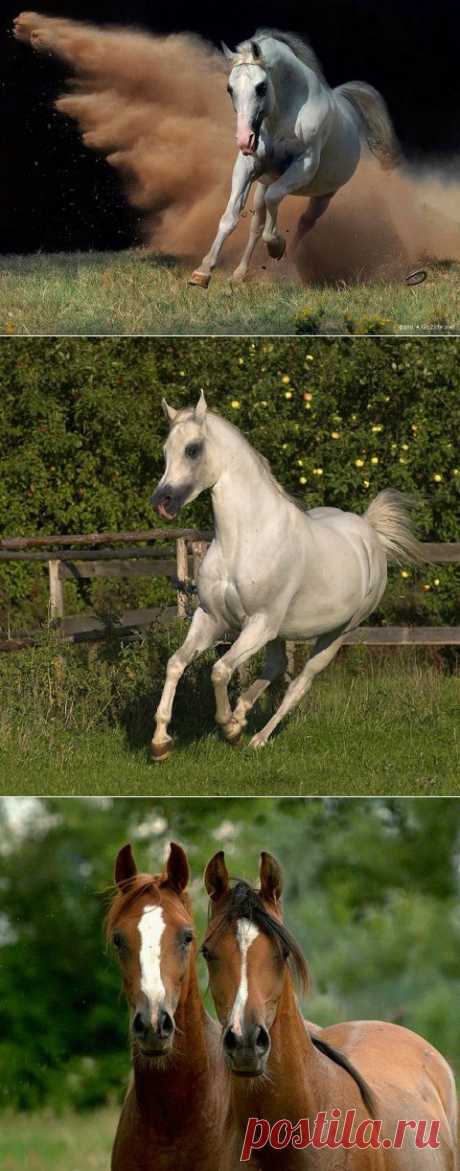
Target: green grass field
{"points": [[43, 1142], [371, 725], [136, 293]]}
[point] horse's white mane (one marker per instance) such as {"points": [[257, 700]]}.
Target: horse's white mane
{"points": [[296, 44]]}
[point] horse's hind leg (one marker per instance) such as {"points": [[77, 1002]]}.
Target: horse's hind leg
{"points": [[275, 664], [324, 651], [257, 227], [318, 204]]}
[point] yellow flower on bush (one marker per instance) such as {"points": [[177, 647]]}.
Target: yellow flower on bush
{"points": [[377, 427], [288, 394], [335, 434], [302, 479], [437, 477], [374, 459], [286, 378], [359, 463], [404, 573], [317, 471], [235, 404], [307, 396]]}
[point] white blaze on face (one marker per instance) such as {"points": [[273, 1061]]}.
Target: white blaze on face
{"points": [[246, 933], [151, 926]]}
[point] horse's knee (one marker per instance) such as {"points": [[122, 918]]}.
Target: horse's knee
{"points": [[220, 673], [175, 668]]}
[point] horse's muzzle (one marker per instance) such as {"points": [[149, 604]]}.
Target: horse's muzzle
{"points": [[153, 1040], [246, 1055], [168, 501]]}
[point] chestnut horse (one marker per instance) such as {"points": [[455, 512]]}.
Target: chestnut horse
{"points": [[175, 1113], [282, 1070]]}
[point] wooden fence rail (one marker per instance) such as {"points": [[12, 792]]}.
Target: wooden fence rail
{"points": [[173, 553]]}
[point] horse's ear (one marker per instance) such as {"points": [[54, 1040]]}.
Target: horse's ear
{"points": [[169, 412], [255, 50], [200, 409], [228, 52], [216, 878], [125, 866], [271, 878], [177, 868]]}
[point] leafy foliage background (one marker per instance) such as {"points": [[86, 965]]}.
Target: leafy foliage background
{"points": [[81, 436], [371, 892]]}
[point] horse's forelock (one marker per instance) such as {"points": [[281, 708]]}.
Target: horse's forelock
{"points": [[131, 890]]}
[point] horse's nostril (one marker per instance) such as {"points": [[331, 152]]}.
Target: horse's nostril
{"points": [[230, 1040], [165, 1024], [262, 1039], [139, 1025]]}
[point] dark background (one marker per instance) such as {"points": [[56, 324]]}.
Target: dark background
{"points": [[55, 194]]}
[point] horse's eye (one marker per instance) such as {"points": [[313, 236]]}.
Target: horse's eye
{"points": [[118, 939], [261, 88], [193, 450], [186, 937]]}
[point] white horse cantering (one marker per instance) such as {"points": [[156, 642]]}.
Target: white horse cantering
{"points": [[273, 571], [296, 136]]}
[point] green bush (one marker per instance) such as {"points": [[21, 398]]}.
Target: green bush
{"points": [[81, 434]]}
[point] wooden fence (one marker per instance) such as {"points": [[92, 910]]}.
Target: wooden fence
{"points": [[172, 553]]}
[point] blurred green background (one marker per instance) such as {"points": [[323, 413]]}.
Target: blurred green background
{"points": [[372, 894]]}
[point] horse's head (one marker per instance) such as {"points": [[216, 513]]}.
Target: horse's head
{"points": [[251, 91], [247, 949], [150, 925], [190, 466]]}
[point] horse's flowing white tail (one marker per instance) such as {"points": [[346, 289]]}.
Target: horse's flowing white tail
{"points": [[389, 515], [378, 128]]}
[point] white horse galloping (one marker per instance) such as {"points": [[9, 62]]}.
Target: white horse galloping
{"points": [[296, 136], [273, 571]]}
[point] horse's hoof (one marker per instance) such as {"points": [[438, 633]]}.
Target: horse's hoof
{"points": [[201, 279], [233, 732], [161, 751], [258, 741], [238, 278], [276, 248]]}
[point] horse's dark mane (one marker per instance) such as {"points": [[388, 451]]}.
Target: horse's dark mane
{"points": [[298, 45], [243, 902]]}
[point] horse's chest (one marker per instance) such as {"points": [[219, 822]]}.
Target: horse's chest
{"points": [[279, 156]]}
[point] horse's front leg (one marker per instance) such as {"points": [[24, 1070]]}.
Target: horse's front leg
{"points": [[295, 178], [244, 173], [204, 633], [257, 225], [255, 635]]}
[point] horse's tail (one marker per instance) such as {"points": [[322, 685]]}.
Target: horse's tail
{"points": [[375, 119], [390, 515]]}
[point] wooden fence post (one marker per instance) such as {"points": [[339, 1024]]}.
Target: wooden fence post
{"points": [[56, 586], [182, 574]]}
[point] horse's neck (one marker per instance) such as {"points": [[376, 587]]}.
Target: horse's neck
{"points": [[244, 497], [292, 81], [166, 1096]]}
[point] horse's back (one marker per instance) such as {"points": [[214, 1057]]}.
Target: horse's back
{"points": [[409, 1078]]}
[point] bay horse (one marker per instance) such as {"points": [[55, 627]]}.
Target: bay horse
{"points": [[274, 570], [295, 136], [282, 1068], [175, 1114]]}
